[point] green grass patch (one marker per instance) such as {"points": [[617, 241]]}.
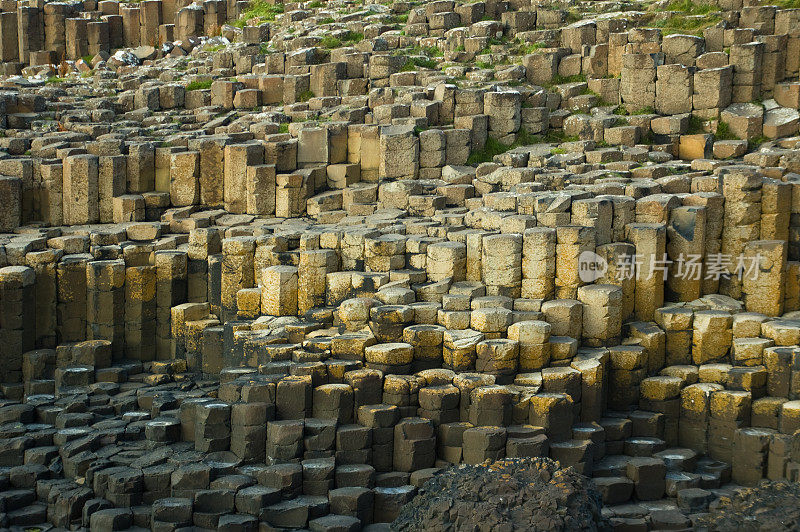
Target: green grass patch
{"points": [[261, 10], [491, 148], [686, 17], [413, 63], [433, 51], [54, 79], [484, 64], [561, 80], [283, 128], [326, 20], [429, 51], [305, 96], [354, 37], [315, 4], [494, 147], [572, 16], [724, 132], [644, 111], [696, 125], [691, 8], [754, 143], [526, 49], [687, 24], [330, 42], [199, 85], [622, 111], [556, 137]]}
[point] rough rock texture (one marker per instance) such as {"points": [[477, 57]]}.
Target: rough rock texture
{"points": [[511, 494], [769, 506]]}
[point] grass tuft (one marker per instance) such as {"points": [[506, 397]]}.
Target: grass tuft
{"points": [[494, 147], [724, 132], [531, 48], [696, 125], [490, 148], [644, 111], [261, 10], [354, 37], [330, 42], [752, 144], [413, 63], [688, 7], [686, 17], [198, 85], [687, 24], [561, 80]]}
